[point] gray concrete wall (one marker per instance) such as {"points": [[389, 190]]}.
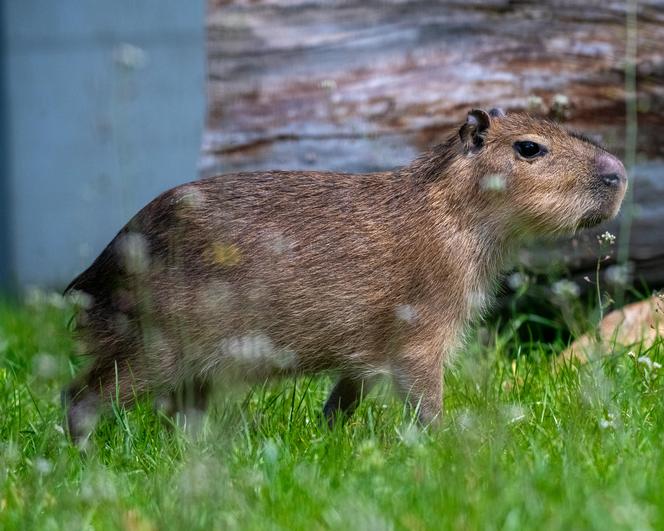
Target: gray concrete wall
{"points": [[104, 108]]}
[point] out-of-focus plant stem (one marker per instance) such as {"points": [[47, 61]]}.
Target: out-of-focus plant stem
{"points": [[631, 128]]}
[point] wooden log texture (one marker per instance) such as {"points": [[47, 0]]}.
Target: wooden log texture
{"points": [[366, 85]]}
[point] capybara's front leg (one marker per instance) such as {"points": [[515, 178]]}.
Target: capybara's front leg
{"points": [[418, 375]]}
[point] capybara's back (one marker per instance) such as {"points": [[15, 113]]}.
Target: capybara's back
{"points": [[248, 276]]}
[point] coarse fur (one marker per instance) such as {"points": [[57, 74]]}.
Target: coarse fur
{"points": [[255, 275]]}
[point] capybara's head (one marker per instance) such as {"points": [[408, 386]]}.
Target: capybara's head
{"points": [[541, 178]]}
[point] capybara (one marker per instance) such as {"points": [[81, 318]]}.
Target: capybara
{"points": [[248, 276]]}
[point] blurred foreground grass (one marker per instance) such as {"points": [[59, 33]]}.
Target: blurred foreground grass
{"points": [[522, 446]]}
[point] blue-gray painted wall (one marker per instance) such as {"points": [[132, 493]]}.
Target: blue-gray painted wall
{"points": [[5, 246], [103, 109]]}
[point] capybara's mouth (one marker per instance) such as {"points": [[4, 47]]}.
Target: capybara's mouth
{"points": [[589, 222]]}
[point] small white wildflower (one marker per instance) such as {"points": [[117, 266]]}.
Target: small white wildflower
{"points": [[494, 182], [278, 243], [10, 453], [130, 56], [198, 477], [285, 358], [607, 237], [43, 466], [560, 100], [410, 435], [647, 362], [515, 413], [34, 296], [98, 485], [370, 454], [565, 289], [59, 429], [80, 299], [250, 347], [466, 420], [188, 198], [608, 423], [516, 281], [328, 84], [270, 452], [134, 249], [619, 275], [56, 300], [535, 103], [631, 354], [45, 366], [405, 312], [257, 347]]}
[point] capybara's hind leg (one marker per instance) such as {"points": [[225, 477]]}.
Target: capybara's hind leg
{"points": [[345, 397], [191, 397]]}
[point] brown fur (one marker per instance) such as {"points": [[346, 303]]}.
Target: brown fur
{"points": [[255, 275]]}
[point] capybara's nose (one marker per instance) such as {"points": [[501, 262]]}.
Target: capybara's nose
{"points": [[610, 170]]}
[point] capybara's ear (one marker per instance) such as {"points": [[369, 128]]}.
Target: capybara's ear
{"points": [[472, 132]]}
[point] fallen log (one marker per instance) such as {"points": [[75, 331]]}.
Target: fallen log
{"points": [[366, 85]]}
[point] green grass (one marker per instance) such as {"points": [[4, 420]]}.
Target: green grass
{"points": [[522, 446]]}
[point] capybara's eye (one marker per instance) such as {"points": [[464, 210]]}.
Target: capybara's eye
{"points": [[528, 149]]}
